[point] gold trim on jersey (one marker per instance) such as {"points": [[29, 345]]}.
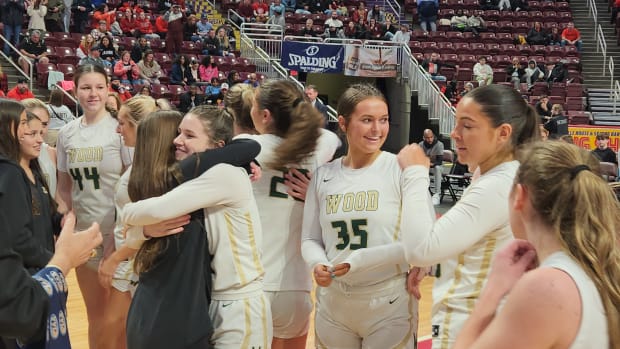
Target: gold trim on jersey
{"points": [[264, 320], [234, 245], [448, 316], [248, 324], [397, 232], [482, 274], [257, 263], [412, 330]]}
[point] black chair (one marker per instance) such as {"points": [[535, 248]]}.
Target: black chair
{"points": [[456, 181]]}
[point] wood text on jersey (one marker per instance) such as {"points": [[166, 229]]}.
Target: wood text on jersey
{"points": [[348, 202]]}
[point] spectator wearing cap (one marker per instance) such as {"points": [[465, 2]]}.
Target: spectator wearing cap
{"points": [[101, 31], [203, 26], [175, 19], [94, 58], [120, 89], [33, 51], [602, 150], [20, 91]]}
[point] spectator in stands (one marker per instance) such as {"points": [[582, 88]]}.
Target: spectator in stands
{"points": [[468, 87], [180, 74], [427, 11], [304, 9], [115, 28], [433, 149], [516, 73], [252, 80], [145, 28], [211, 45], [334, 33], [161, 27], [504, 5], [174, 37], [81, 10], [202, 27], [190, 99], [374, 30], [403, 35], [233, 77], [86, 43], [208, 70], [333, 21], [113, 104], [543, 108], [138, 49], [150, 70], [537, 35], [336, 6], [246, 12], [107, 51], [231, 35], [20, 91], [433, 66], [533, 73], [276, 5], [53, 17], [614, 12], [37, 11], [127, 70], [308, 30], [571, 35], [488, 4], [34, 51], [277, 21], [476, 24], [144, 91], [12, 17], [128, 22], [378, 14], [354, 31], [483, 73], [260, 7], [193, 71], [555, 37], [224, 45], [101, 31], [389, 30], [459, 21], [558, 124], [602, 150], [103, 13], [360, 14], [118, 88], [262, 18], [94, 58], [60, 115], [519, 5], [559, 73], [289, 5], [190, 28], [213, 92]]}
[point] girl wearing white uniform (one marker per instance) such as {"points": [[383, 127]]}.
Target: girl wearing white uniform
{"points": [[239, 309], [291, 137], [91, 159], [354, 203], [491, 122], [571, 220]]}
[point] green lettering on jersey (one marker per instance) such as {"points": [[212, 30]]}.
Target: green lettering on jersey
{"points": [[89, 174], [357, 228], [275, 180]]}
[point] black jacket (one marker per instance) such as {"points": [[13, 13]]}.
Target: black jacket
{"points": [[171, 303], [186, 102]]}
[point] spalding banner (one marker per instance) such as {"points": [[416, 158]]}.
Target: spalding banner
{"points": [[312, 57]]}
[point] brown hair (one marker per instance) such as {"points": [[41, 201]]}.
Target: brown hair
{"points": [[239, 101], [587, 228], [56, 97], [217, 123], [89, 68], [353, 96], [10, 118], [153, 172], [294, 120]]}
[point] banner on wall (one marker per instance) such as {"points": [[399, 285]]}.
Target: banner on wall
{"points": [[312, 57], [585, 136], [371, 62]]}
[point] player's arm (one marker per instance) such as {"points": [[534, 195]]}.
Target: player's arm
{"points": [[239, 152], [312, 244], [65, 182], [220, 185]]}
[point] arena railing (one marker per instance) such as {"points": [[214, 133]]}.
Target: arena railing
{"points": [[395, 7], [28, 75]]}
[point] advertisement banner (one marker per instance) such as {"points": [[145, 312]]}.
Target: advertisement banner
{"points": [[312, 57], [371, 62], [585, 136]]}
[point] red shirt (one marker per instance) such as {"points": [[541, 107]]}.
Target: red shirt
{"points": [[127, 25], [1, 93], [263, 6], [144, 26], [570, 34], [15, 94], [161, 25]]}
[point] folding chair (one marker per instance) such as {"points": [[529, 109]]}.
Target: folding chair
{"points": [[456, 181]]}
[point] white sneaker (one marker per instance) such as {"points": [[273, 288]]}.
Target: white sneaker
{"points": [[436, 199]]}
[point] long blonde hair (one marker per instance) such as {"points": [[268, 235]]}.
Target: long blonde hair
{"points": [[569, 195]]}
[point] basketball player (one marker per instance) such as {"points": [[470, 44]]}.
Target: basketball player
{"points": [[292, 142], [353, 203]]}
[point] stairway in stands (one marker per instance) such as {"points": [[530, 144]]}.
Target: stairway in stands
{"points": [[215, 18], [598, 86]]}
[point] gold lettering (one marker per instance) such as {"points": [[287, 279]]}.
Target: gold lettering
{"points": [[90, 154], [360, 201], [347, 204], [333, 201], [372, 203]]}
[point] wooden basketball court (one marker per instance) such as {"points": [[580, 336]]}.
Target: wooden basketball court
{"points": [[78, 323]]}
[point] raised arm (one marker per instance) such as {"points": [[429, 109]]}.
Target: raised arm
{"points": [[312, 245]]}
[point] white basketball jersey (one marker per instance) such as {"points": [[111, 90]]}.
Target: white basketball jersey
{"points": [[350, 209], [94, 156], [281, 215], [48, 169]]}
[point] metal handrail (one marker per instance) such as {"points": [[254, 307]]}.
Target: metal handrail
{"points": [[15, 65], [593, 13], [616, 95], [611, 72], [602, 45], [396, 9]]}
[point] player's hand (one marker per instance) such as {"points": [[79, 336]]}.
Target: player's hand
{"points": [[414, 277], [297, 183], [322, 275], [75, 248], [411, 155], [168, 227], [510, 263], [107, 267], [257, 172]]}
